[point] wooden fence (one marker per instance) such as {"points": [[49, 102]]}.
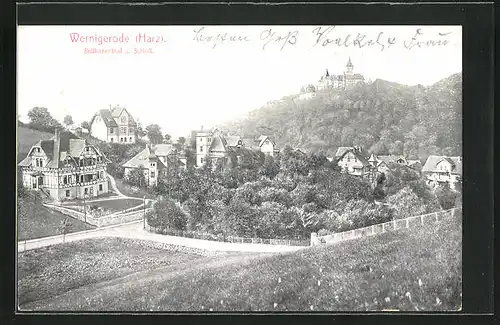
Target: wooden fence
{"points": [[107, 220], [227, 239], [411, 222]]}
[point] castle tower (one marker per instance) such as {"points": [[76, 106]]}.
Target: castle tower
{"points": [[349, 67]]}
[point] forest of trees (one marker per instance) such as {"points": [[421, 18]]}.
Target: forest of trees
{"points": [[383, 117], [287, 197]]}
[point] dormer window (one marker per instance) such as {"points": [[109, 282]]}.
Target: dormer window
{"points": [[37, 149], [124, 119]]}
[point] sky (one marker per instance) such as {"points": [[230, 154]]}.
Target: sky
{"points": [[190, 79]]}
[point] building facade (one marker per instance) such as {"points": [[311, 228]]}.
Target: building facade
{"points": [[114, 125], [346, 79], [439, 170], [155, 161], [65, 167], [216, 146]]}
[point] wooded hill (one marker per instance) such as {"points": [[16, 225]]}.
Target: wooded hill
{"points": [[382, 117]]}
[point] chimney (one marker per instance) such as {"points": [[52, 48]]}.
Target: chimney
{"points": [[201, 128]]}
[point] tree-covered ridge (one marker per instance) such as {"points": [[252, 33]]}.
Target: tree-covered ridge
{"points": [[382, 117]]}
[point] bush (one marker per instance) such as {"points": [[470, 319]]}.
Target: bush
{"points": [[167, 215], [446, 197], [406, 204]]}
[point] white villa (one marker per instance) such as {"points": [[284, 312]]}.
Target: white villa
{"points": [[154, 161], [114, 125], [441, 169]]}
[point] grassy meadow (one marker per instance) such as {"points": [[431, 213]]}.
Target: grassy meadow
{"points": [[407, 270], [36, 221]]}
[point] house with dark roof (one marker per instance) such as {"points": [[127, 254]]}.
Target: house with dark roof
{"points": [[439, 170], [155, 161], [217, 146], [352, 160], [65, 167], [114, 125]]}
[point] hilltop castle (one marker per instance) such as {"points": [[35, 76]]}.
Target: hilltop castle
{"points": [[348, 78]]}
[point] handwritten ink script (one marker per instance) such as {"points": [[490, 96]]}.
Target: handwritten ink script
{"points": [[325, 37]]}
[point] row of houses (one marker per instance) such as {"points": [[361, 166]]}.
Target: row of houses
{"points": [[437, 170], [68, 167], [217, 146]]}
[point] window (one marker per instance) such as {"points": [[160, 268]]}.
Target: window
{"points": [[121, 139], [112, 140], [34, 184], [123, 119], [125, 139], [65, 180], [111, 130], [201, 160], [130, 131], [81, 178], [152, 174], [70, 179], [67, 193], [100, 187], [201, 149], [101, 174], [86, 191], [209, 140], [124, 130], [87, 149], [37, 149], [130, 139]]}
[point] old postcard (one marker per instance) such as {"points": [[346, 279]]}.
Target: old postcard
{"points": [[239, 168]]}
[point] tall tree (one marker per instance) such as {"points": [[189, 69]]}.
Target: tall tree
{"points": [[41, 118], [68, 120], [85, 125], [181, 141], [154, 134]]}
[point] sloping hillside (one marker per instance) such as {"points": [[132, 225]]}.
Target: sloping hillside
{"points": [[383, 117], [412, 270], [27, 137]]}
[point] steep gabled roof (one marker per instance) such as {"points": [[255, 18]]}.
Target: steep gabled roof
{"points": [[430, 165], [56, 149], [163, 149], [106, 116], [342, 150], [117, 111], [356, 154], [390, 158], [143, 159], [232, 140], [251, 143], [218, 143]]}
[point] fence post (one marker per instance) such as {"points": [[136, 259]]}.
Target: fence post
{"points": [[394, 224], [407, 223], [373, 229], [422, 220], [436, 216], [383, 227]]}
